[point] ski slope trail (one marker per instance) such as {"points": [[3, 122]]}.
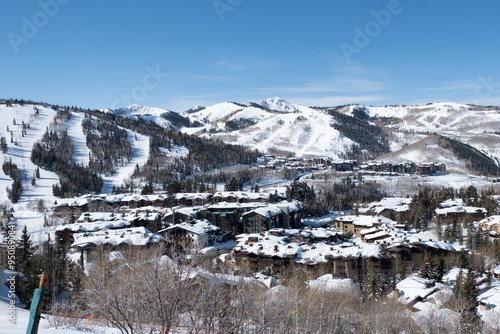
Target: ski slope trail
{"points": [[19, 150], [75, 132], [140, 156]]}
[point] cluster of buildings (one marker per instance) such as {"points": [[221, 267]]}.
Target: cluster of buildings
{"points": [[370, 167], [263, 236], [198, 220], [272, 162], [106, 202], [378, 245]]}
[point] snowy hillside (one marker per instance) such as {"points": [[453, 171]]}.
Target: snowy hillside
{"points": [[36, 120], [24, 126], [276, 103], [137, 112], [474, 125], [275, 126], [272, 126]]}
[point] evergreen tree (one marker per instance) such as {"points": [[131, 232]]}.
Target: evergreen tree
{"points": [[440, 268], [24, 251], [428, 268], [463, 260], [232, 185], [148, 188], [25, 264], [439, 229], [3, 144], [469, 317]]}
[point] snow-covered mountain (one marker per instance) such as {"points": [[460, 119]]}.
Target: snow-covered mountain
{"points": [[152, 115], [278, 127], [276, 103], [476, 126], [272, 126], [23, 126]]}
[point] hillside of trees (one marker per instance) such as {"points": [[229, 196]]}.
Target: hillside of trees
{"points": [[356, 128], [475, 160], [54, 153], [108, 143], [14, 192]]}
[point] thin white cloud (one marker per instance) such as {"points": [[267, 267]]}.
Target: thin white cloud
{"points": [[185, 102], [336, 100], [488, 101], [352, 78], [229, 65], [348, 85], [458, 85], [221, 62]]}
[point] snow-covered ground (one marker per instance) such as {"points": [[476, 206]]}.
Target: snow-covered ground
{"points": [[403, 185], [152, 115], [25, 214], [14, 319], [140, 156], [284, 128], [75, 132]]}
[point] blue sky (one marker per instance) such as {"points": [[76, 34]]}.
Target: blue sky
{"points": [[177, 54]]}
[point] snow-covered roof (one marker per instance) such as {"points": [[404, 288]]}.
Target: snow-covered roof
{"points": [[491, 220], [111, 216], [280, 246], [366, 221], [491, 297], [134, 236], [94, 226], [452, 202], [270, 210], [186, 211], [414, 287], [242, 194], [326, 220], [232, 206], [457, 209], [327, 282], [380, 234], [398, 204], [192, 196], [197, 227], [369, 231]]}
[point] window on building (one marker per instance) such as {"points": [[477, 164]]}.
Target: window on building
{"points": [[254, 224]]}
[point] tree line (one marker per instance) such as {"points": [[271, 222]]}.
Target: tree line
{"points": [[108, 143], [144, 287], [54, 152], [356, 128], [10, 169]]}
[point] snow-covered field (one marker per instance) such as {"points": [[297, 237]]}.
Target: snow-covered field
{"points": [[285, 128], [140, 156], [403, 185], [275, 126], [26, 211], [21, 156], [14, 319], [81, 152]]}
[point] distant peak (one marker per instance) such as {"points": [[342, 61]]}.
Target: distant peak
{"points": [[195, 109], [137, 109], [277, 103]]}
